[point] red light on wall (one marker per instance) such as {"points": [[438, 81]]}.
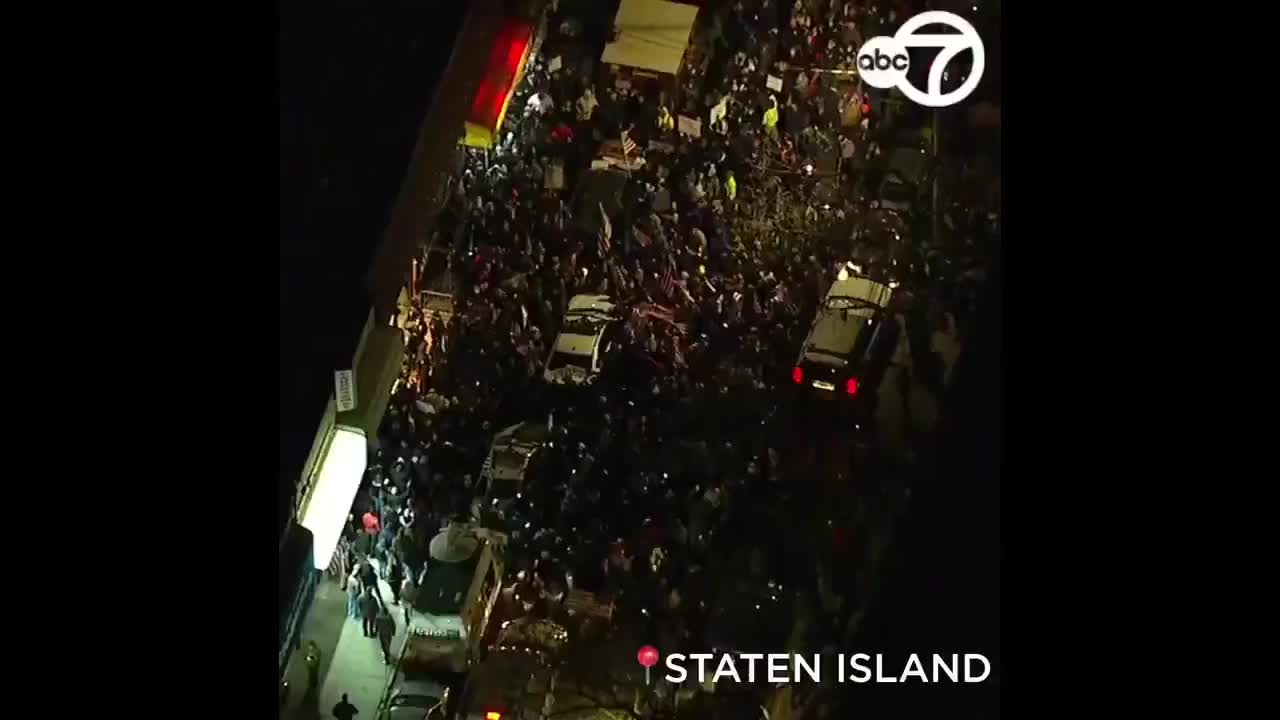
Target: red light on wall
{"points": [[797, 375], [501, 73], [851, 386]]}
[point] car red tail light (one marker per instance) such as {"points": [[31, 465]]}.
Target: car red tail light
{"points": [[851, 386], [797, 375]]}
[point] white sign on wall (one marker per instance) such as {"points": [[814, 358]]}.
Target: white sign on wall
{"points": [[344, 387]]}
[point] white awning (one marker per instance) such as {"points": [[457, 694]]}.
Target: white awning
{"points": [[341, 468], [652, 35]]}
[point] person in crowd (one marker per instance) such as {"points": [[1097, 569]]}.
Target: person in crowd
{"points": [[369, 607], [354, 592], [395, 576], [371, 524], [313, 668], [344, 710], [666, 123], [385, 626], [368, 576], [408, 596]]}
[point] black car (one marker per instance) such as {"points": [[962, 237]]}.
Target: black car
{"points": [[849, 344]]}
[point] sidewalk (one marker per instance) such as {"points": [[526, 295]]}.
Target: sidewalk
{"points": [[350, 662]]}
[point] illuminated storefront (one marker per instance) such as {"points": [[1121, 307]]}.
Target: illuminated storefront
{"points": [[505, 68], [338, 479], [340, 458]]}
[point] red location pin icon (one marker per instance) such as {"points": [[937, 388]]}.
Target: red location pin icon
{"points": [[648, 657]]}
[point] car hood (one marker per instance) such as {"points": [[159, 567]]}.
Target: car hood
{"points": [[568, 375]]}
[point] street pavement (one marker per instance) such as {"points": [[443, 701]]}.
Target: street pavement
{"points": [[350, 662]]}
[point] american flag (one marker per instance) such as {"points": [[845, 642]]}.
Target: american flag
{"points": [[668, 283], [658, 312], [628, 146], [606, 232]]}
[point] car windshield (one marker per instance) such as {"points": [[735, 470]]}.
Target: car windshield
{"points": [[581, 325], [560, 359], [507, 459], [857, 307]]}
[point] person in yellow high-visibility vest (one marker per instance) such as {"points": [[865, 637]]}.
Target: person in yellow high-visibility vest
{"points": [[665, 121], [771, 116], [731, 187]]}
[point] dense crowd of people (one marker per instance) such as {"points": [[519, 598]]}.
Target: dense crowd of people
{"points": [[678, 443]]}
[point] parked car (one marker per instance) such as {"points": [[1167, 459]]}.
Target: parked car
{"points": [[415, 698]]}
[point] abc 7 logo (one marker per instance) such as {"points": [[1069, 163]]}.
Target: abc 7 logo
{"points": [[883, 60]]}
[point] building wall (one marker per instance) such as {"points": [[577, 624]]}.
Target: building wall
{"points": [[424, 190], [416, 205]]}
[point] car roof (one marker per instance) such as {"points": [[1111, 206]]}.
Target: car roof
{"points": [[594, 303], [445, 581]]}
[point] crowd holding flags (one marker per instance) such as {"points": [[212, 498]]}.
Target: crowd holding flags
{"points": [[606, 232]]}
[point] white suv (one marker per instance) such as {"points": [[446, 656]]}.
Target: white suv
{"points": [[589, 335]]}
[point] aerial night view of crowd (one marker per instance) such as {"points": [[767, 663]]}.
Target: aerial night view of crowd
{"points": [[630, 292]]}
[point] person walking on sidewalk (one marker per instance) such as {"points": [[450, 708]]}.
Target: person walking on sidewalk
{"points": [[355, 589], [408, 595], [369, 577], [313, 668], [369, 607], [344, 710], [386, 627], [395, 576]]}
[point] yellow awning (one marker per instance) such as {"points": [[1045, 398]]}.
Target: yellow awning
{"points": [[478, 137], [506, 68]]}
